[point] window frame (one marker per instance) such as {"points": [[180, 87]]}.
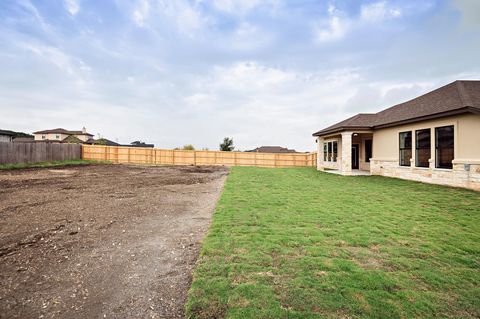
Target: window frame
{"points": [[437, 162], [367, 158], [325, 151], [400, 149], [334, 151], [417, 148]]}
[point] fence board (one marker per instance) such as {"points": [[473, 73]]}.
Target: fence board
{"points": [[12, 153], [138, 155]]}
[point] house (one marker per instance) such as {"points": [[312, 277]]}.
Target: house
{"points": [[272, 149], [6, 136], [101, 141], [60, 135], [434, 138], [24, 140]]}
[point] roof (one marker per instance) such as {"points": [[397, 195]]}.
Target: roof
{"points": [[101, 141], [23, 140], [272, 149], [455, 98], [72, 139], [5, 132], [62, 131]]}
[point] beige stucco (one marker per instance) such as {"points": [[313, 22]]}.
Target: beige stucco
{"points": [[59, 137], [467, 137]]}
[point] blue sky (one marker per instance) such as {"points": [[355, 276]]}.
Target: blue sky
{"points": [[265, 72]]}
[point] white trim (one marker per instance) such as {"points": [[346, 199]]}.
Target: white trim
{"points": [[466, 161]]}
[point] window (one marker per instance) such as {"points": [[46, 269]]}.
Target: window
{"points": [[444, 147], [57, 137], [335, 151], [330, 151], [368, 150], [325, 152], [405, 148], [43, 137], [422, 148]]}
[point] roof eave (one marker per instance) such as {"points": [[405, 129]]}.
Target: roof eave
{"points": [[341, 129], [463, 110]]}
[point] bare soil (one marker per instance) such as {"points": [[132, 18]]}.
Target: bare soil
{"points": [[102, 241]]}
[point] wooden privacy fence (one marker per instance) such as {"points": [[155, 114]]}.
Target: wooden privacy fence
{"points": [[11, 153], [154, 156]]}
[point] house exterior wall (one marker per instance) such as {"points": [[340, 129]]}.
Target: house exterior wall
{"points": [[50, 137], [61, 137], [466, 163], [5, 138], [83, 137]]}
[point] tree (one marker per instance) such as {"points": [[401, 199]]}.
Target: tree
{"points": [[188, 147], [227, 145]]}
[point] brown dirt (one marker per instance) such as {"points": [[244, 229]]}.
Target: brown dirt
{"points": [[106, 241]]}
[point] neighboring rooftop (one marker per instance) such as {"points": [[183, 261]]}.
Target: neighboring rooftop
{"points": [[63, 131], [455, 98], [6, 132], [272, 149]]}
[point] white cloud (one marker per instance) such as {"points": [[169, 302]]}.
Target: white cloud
{"points": [[72, 6], [241, 7], [334, 28], [378, 11], [141, 12]]}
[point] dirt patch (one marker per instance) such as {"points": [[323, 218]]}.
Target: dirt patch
{"points": [[102, 241]]}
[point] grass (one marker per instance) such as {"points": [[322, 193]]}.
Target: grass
{"points": [[297, 243], [47, 164]]}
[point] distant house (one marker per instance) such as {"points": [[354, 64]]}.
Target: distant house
{"points": [[101, 141], [6, 136], [272, 149], [24, 140], [63, 135]]}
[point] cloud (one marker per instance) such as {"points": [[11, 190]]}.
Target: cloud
{"points": [[334, 28], [378, 11], [241, 7], [141, 12], [72, 6]]}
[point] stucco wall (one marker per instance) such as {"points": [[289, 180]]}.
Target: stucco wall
{"points": [[467, 137], [466, 163]]}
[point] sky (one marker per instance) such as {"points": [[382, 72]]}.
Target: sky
{"points": [[268, 72]]}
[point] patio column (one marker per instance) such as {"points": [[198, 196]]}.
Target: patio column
{"points": [[347, 153], [320, 153]]}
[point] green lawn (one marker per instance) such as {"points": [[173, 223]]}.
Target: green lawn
{"points": [[297, 243], [47, 164]]}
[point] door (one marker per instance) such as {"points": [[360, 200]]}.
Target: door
{"points": [[355, 156]]}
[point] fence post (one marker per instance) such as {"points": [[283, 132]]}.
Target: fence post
{"points": [[195, 158], [173, 157]]}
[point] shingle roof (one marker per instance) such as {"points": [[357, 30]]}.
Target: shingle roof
{"points": [[272, 149], [5, 132], [62, 131], [454, 98]]}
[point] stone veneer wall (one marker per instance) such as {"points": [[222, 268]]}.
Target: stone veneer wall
{"points": [[459, 176]]}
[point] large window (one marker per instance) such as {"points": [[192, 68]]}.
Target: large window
{"points": [[330, 151], [405, 148], [335, 151], [444, 147], [368, 150], [422, 148]]}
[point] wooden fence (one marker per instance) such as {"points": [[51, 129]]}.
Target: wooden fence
{"points": [[11, 153], [154, 156]]}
